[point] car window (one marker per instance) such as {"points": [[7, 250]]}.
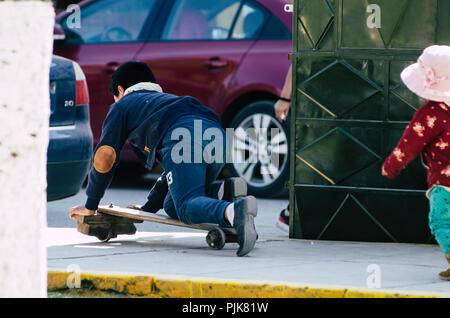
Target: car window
{"points": [[274, 30], [109, 21], [201, 19], [249, 22]]}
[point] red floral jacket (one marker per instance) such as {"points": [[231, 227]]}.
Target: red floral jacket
{"points": [[427, 133]]}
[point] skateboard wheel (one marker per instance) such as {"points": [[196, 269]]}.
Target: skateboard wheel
{"points": [[216, 238], [109, 235]]}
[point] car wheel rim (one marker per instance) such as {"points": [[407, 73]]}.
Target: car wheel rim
{"points": [[260, 150]]}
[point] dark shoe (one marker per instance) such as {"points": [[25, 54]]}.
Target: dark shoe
{"points": [[283, 220], [229, 189], [245, 210]]}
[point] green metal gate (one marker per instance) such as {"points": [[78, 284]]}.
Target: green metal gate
{"points": [[349, 111]]}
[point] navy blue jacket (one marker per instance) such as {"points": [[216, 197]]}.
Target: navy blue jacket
{"points": [[143, 117]]}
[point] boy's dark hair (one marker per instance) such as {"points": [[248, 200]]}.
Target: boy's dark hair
{"points": [[129, 74]]}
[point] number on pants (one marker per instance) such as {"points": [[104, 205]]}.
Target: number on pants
{"points": [[169, 178]]}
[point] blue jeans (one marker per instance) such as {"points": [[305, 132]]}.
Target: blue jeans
{"points": [[439, 217], [190, 171]]}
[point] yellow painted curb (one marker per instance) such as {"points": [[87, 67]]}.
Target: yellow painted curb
{"points": [[172, 286]]}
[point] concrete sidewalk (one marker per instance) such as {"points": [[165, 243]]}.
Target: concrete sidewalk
{"points": [[178, 263]]}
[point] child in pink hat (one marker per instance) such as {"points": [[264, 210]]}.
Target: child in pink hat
{"points": [[428, 134]]}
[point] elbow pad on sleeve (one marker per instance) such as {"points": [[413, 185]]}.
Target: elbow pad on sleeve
{"points": [[104, 159]]}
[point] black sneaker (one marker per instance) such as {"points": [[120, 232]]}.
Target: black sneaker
{"points": [[283, 220], [245, 210], [229, 189]]}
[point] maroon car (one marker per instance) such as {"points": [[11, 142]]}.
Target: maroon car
{"points": [[232, 55]]}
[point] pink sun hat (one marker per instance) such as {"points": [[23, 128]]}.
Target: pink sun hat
{"points": [[429, 78]]}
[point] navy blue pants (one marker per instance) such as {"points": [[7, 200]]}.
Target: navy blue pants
{"points": [[190, 170]]}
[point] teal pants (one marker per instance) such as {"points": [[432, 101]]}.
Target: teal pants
{"points": [[439, 217]]}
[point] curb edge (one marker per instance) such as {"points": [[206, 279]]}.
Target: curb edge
{"points": [[174, 286]]}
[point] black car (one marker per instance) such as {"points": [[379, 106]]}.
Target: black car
{"points": [[70, 147]]}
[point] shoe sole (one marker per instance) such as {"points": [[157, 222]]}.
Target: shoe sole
{"points": [[282, 226], [250, 235], [238, 188], [446, 278], [231, 189]]}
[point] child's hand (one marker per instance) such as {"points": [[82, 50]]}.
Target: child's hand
{"points": [[383, 172], [386, 174], [282, 110]]}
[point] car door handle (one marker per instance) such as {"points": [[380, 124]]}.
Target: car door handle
{"points": [[111, 67], [215, 63]]}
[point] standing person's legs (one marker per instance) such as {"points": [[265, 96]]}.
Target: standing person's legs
{"points": [[439, 219], [283, 220]]}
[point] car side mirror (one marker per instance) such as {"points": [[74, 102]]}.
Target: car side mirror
{"points": [[58, 33]]}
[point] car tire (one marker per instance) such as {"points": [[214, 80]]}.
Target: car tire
{"points": [[262, 178]]}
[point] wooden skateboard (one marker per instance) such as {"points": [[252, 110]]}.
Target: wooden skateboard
{"points": [[112, 220]]}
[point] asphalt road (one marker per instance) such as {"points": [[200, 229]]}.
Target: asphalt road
{"points": [[129, 187]]}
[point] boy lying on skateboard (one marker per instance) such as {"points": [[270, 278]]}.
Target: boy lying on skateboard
{"points": [[169, 129]]}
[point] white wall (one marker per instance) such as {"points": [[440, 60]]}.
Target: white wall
{"points": [[26, 29]]}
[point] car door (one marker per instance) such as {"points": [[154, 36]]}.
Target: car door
{"points": [[195, 52], [109, 33]]}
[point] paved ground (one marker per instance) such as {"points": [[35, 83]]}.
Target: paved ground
{"points": [[128, 188], [183, 254]]}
